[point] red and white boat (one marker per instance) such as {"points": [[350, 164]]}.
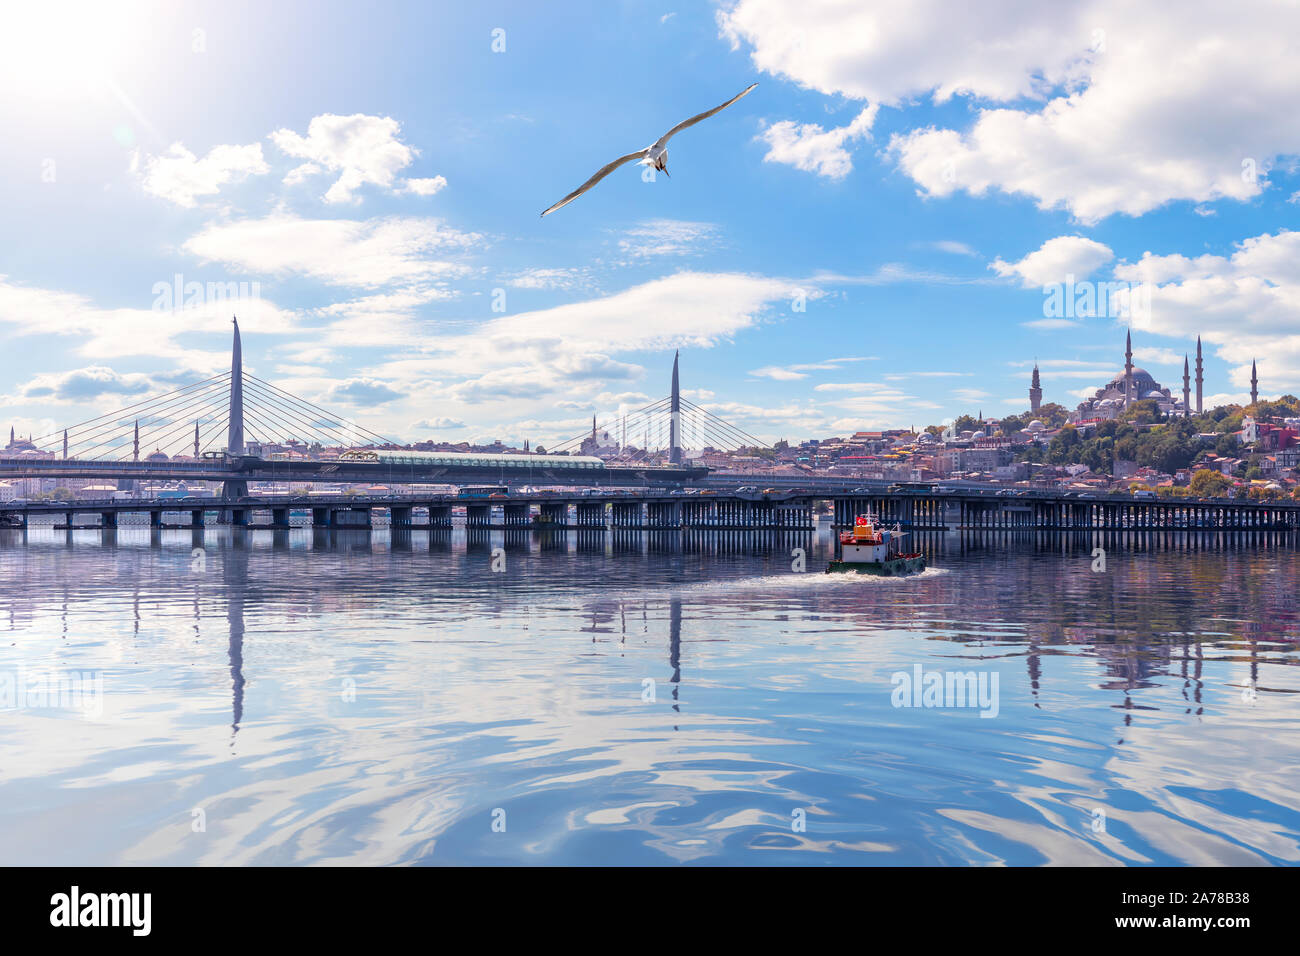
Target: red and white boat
{"points": [[871, 549]]}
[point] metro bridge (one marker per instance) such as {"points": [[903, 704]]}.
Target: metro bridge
{"points": [[655, 493], [913, 509]]}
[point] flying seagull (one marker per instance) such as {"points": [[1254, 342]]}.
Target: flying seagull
{"points": [[655, 155]]}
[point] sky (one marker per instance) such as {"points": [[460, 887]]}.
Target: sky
{"points": [[879, 235]]}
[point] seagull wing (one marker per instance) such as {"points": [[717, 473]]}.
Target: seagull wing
{"points": [[601, 174], [663, 140]]}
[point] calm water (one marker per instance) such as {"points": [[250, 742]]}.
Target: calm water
{"points": [[290, 699]]}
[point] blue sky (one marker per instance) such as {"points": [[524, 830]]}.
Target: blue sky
{"points": [[913, 176]]}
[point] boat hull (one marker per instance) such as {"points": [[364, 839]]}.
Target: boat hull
{"points": [[891, 568]]}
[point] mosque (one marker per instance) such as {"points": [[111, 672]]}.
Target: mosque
{"points": [[1136, 384]]}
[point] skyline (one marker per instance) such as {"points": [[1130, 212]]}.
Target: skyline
{"points": [[384, 210]]}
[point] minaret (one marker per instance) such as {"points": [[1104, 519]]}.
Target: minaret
{"points": [[1187, 390], [11, 436], [1254, 384], [1128, 369], [1200, 375], [235, 436], [196, 440], [1035, 392], [135, 453], [675, 418], [65, 444]]}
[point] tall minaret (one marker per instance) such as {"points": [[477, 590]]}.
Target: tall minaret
{"points": [[1200, 375], [675, 418], [235, 436], [1035, 392], [196, 441], [1254, 384], [135, 454], [65, 444], [1128, 369], [1187, 390]]}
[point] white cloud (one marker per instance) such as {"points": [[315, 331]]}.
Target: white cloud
{"points": [[108, 333], [1056, 259], [954, 247], [180, 177], [1050, 324], [424, 187], [342, 252], [667, 237], [813, 149], [778, 374], [548, 279], [361, 149], [1244, 305], [1100, 106], [438, 424]]}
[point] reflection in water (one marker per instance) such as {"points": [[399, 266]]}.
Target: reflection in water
{"points": [[1163, 691], [234, 573]]}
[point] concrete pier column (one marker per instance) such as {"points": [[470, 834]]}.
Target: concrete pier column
{"points": [[198, 518], [280, 517]]}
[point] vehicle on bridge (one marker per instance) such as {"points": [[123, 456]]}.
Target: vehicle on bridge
{"points": [[870, 549], [434, 459], [481, 491]]}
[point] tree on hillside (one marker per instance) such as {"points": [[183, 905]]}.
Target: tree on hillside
{"points": [[1208, 483]]}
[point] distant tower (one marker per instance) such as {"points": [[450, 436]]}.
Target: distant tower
{"points": [[196, 440], [1187, 390], [1254, 384], [135, 454], [234, 488], [1200, 375], [65, 444], [11, 436], [235, 436], [1128, 369], [1035, 392], [675, 419]]}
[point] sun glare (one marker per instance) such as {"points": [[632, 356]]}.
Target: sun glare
{"points": [[63, 50]]}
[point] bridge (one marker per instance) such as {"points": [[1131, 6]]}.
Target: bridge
{"points": [[921, 510], [631, 489], [250, 413]]}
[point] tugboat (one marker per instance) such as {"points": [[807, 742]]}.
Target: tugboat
{"points": [[870, 549]]}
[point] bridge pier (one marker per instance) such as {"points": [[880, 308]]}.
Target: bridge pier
{"points": [[439, 516], [554, 515], [280, 517], [478, 516], [589, 514], [516, 516], [155, 519], [198, 518], [108, 519], [626, 514], [359, 518]]}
